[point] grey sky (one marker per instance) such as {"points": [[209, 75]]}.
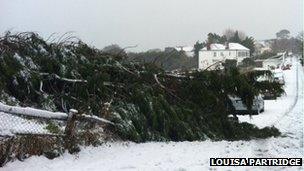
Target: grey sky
{"points": [[151, 23]]}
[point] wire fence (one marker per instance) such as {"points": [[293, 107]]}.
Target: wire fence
{"points": [[16, 124], [28, 131], [19, 120], [22, 136]]}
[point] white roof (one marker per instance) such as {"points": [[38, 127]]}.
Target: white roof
{"points": [[215, 46], [189, 50], [184, 48], [232, 46], [237, 46]]}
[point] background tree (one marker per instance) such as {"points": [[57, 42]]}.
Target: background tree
{"points": [[280, 45], [115, 50], [215, 38], [235, 38], [242, 35], [169, 59], [300, 41], [283, 34], [285, 43], [229, 33], [197, 47], [249, 43]]}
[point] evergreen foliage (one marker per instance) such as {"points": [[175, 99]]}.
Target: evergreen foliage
{"points": [[168, 60], [247, 62], [143, 101], [215, 38], [197, 47], [265, 55], [235, 38], [249, 43]]}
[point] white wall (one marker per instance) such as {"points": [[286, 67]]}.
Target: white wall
{"points": [[207, 57]]}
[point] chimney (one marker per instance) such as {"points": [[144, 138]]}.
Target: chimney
{"points": [[226, 45], [208, 46]]}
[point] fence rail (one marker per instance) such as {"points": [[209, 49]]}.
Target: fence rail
{"points": [[20, 121]]}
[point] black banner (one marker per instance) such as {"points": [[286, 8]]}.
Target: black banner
{"points": [[256, 162]]}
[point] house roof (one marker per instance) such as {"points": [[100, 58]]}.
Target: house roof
{"points": [[189, 50], [184, 48], [237, 46], [232, 46], [215, 46]]}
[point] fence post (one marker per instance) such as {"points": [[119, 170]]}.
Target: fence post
{"points": [[6, 150], [70, 137]]}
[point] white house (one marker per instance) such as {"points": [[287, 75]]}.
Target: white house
{"points": [[215, 53]]}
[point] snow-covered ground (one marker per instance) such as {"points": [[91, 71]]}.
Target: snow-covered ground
{"points": [[275, 109], [285, 113]]}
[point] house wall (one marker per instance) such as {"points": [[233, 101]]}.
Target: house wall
{"points": [[209, 57]]}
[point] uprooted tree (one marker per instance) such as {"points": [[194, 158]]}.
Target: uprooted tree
{"points": [[143, 101]]}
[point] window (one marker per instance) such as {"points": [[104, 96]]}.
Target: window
{"points": [[222, 54], [242, 54], [214, 54], [229, 53]]}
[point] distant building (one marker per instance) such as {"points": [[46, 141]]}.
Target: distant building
{"points": [[272, 62], [189, 50], [154, 50], [262, 47], [268, 64], [214, 54]]}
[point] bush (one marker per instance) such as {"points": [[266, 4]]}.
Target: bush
{"points": [[246, 131], [53, 128], [22, 147], [265, 55]]}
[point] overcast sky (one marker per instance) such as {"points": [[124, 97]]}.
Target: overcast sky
{"points": [[151, 23]]}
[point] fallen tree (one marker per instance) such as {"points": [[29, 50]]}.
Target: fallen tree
{"points": [[142, 101]]}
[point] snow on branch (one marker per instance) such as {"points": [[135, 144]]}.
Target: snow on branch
{"points": [[95, 119], [124, 68], [32, 112], [64, 79], [27, 111], [157, 81]]}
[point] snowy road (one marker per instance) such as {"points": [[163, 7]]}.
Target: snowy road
{"points": [[285, 113]]}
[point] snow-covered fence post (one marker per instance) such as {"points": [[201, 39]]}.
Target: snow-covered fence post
{"points": [[70, 138]]}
